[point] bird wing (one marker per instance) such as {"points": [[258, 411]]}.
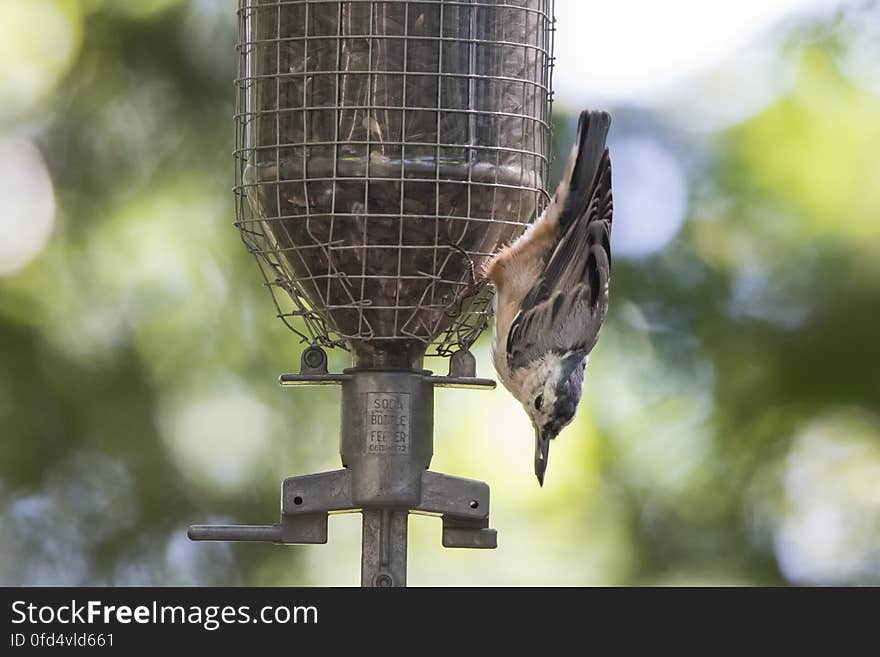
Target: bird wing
{"points": [[567, 305]]}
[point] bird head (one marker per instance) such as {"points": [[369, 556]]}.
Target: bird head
{"points": [[550, 396]]}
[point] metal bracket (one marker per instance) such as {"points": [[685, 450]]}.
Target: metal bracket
{"points": [[313, 360], [292, 530], [386, 447], [462, 364], [306, 501], [313, 371], [472, 534], [312, 379]]}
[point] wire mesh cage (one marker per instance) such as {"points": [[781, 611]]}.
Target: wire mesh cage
{"points": [[384, 150]]}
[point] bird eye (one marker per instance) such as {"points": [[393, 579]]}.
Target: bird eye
{"points": [[538, 401]]}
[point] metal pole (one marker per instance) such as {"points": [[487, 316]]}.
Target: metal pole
{"points": [[386, 443], [383, 548]]}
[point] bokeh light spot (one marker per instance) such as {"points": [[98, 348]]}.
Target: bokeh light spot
{"points": [[829, 531], [217, 438], [650, 197], [39, 39], [638, 48], [28, 204]]}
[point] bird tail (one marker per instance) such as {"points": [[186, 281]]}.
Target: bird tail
{"points": [[592, 131]]}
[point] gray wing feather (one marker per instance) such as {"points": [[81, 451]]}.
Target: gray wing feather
{"points": [[565, 309]]}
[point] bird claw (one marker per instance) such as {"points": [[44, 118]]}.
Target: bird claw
{"points": [[456, 307]]}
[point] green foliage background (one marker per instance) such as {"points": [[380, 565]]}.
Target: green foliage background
{"points": [[730, 430]]}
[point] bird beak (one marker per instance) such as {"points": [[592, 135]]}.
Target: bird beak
{"points": [[542, 453]]}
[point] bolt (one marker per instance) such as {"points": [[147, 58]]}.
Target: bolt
{"points": [[383, 580]]}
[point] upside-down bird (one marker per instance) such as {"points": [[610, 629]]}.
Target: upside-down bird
{"points": [[552, 290]]}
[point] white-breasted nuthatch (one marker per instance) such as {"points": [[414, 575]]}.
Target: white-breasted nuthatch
{"points": [[552, 290]]}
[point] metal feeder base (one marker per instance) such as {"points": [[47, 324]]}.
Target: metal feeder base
{"points": [[386, 447]]}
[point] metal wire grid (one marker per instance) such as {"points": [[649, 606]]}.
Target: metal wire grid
{"points": [[384, 150]]}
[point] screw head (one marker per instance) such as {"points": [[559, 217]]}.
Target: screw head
{"points": [[383, 580]]}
